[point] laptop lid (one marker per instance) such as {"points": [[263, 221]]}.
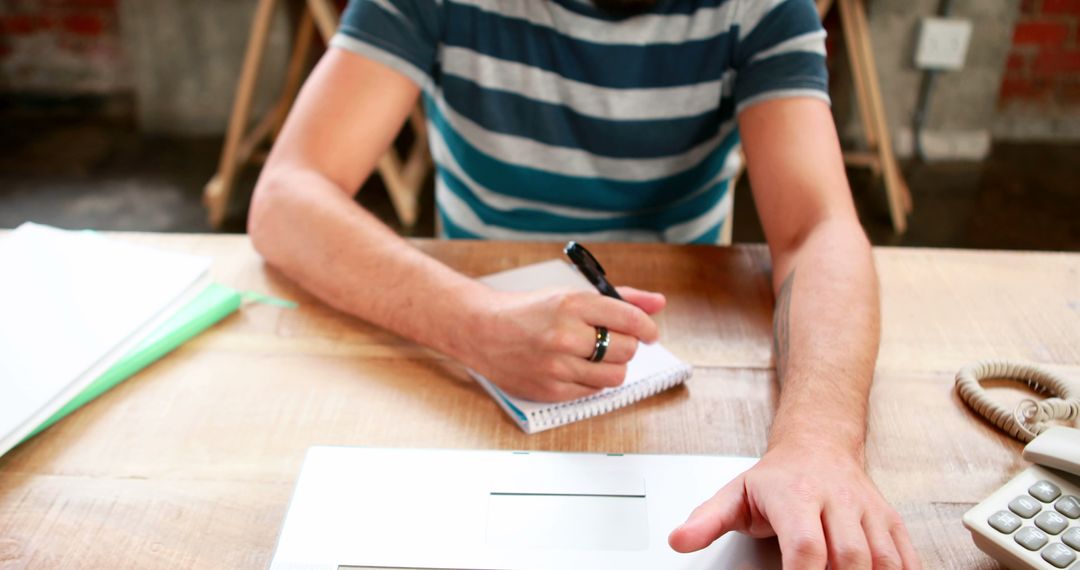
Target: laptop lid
{"points": [[502, 510]]}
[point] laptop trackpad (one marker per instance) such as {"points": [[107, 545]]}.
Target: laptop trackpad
{"points": [[601, 510]]}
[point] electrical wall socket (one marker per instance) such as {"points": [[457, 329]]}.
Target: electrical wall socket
{"points": [[943, 43]]}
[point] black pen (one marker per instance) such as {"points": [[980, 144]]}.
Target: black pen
{"points": [[590, 268]]}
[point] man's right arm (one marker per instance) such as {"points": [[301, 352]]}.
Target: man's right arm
{"points": [[305, 222]]}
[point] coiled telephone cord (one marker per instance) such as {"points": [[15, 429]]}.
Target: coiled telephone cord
{"points": [[1030, 417]]}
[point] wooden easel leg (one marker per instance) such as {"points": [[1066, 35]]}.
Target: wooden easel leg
{"points": [[217, 191]]}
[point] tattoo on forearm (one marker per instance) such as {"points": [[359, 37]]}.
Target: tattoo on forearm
{"points": [[780, 325]]}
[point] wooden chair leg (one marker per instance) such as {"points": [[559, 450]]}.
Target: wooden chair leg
{"points": [[305, 32], [217, 191], [728, 228], [416, 167], [326, 18], [389, 168], [858, 72], [403, 179], [823, 7], [872, 109], [895, 185]]}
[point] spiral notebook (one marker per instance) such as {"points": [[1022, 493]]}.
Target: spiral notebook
{"points": [[652, 370]]}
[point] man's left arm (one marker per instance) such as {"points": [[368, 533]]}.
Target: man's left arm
{"points": [[810, 488]]}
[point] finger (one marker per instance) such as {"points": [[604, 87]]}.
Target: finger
{"points": [[726, 511], [621, 317], [620, 350], [647, 301], [845, 537], [594, 375], [558, 391], [883, 552], [550, 389], [580, 340], [902, 540], [799, 532]]}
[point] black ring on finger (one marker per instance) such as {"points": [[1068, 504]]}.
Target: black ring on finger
{"points": [[600, 348]]}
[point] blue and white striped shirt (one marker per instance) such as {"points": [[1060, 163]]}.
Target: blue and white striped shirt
{"points": [[553, 120]]}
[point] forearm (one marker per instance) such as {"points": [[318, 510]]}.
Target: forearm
{"points": [[826, 334], [314, 233]]}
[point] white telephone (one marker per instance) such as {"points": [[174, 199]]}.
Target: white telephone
{"points": [[1033, 521]]}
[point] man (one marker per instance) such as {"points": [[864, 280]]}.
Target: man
{"points": [[557, 119]]}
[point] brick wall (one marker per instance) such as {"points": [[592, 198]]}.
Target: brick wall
{"points": [[1044, 63], [61, 47]]}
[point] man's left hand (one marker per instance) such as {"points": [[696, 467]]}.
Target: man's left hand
{"points": [[821, 506]]}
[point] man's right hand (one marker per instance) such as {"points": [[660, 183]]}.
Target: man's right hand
{"points": [[536, 345]]}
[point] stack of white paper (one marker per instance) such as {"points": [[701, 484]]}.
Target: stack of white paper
{"points": [[71, 305]]}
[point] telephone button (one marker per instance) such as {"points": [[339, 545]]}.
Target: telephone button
{"points": [[1072, 538], [1004, 522], [1045, 491], [1025, 506], [1058, 555], [1068, 506], [1051, 522], [1031, 538]]}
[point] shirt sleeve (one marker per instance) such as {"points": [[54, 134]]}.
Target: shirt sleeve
{"points": [[401, 34], [780, 52]]}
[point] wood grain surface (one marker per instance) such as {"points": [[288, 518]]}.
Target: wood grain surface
{"points": [[191, 462]]}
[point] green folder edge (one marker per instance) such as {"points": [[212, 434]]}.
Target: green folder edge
{"points": [[215, 303]]}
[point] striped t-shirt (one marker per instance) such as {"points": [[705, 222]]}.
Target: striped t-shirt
{"points": [[554, 120]]}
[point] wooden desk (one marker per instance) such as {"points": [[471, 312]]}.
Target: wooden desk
{"points": [[192, 462]]}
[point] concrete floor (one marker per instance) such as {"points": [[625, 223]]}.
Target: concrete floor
{"points": [[78, 170]]}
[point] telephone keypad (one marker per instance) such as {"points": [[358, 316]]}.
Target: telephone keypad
{"points": [[1031, 519]]}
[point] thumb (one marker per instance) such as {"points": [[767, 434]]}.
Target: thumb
{"points": [[726, 511], [647, 301]]}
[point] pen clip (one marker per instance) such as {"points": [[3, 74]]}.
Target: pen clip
{"points": [[590, 268], [583, 258]]}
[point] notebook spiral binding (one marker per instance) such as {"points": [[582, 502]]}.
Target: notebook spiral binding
{"points": [[605, 402]]}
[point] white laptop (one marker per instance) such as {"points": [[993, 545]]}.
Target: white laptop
{"points": [[504, 510]]}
